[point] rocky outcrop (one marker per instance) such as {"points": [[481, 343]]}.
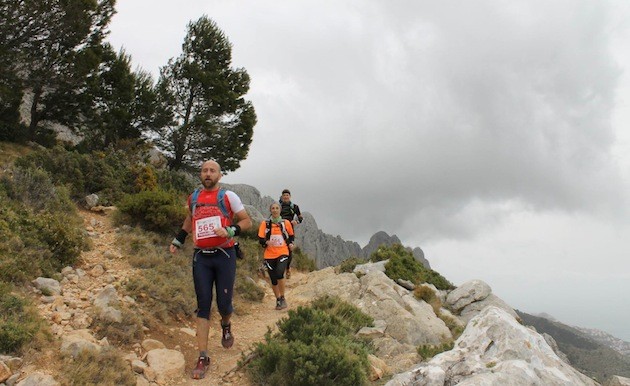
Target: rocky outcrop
{"points": [[470, 298], [381, 238], [402, 321], [325, 249], [495, 349]]}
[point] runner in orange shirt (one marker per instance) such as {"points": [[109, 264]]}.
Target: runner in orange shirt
{"points": [[276, 236]]}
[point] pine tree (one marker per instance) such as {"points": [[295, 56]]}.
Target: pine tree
{"points": [[203, 96]]}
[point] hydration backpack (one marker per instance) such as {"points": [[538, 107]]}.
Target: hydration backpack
{"points": [[220, 202], [283, 229]]}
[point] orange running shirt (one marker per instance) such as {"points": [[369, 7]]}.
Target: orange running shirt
{"points": [[277, 246]]}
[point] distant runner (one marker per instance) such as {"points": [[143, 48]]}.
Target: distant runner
{"points": [[276, 236], [210, 215], [289, 211]]}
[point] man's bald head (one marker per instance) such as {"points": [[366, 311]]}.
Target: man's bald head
{"points": [[210, 174]]}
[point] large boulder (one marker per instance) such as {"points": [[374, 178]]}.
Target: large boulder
{"points": [[167, 364], [408, 320], [495, 349]]}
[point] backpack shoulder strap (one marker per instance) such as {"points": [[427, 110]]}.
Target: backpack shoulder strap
{"points": [[221, 202], [268, 230], [283, 229], [193, 202]]}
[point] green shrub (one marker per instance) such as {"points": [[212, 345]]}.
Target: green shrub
{"points": [[302, 262], [348, 314], [331, 360], [403, 265], [348, 265], [314, 346], [157, 210], [109, 174], [104, 368], [20, 322], [37, 243], [428, 351]]}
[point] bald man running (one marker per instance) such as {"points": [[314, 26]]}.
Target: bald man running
{"points": [[214, 259]]}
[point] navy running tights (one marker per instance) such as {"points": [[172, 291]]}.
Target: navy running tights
{"points": [[214, 268]]}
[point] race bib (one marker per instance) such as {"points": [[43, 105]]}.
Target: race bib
{"points": [[276, 240], [205, 227]]}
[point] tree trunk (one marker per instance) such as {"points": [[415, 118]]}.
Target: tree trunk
{"points": [[32, 128]]}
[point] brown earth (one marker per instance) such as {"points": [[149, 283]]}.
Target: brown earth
{"points": [[250, 320]]}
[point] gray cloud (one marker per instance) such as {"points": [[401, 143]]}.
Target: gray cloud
{"points": [[488, 133]]}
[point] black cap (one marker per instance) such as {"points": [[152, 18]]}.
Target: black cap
{"points": [[286, 191]]}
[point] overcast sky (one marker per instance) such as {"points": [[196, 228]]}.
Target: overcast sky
{"points": [[494, 135]]}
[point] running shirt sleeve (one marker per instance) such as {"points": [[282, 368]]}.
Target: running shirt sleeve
{"points": [[235, 201]]}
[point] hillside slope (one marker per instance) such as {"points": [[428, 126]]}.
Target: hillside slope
{"points": [[589, 356]]}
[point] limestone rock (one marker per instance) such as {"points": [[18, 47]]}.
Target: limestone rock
{"points": [[495, 349], [5, 372], [467, 293], [47, 284], [78, 341], [38, 379], [367, 267], [91, 200], [167, 364], [472, 309], [152, 344]]}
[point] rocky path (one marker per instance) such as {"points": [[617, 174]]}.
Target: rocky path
{"points": [[104, 266]]}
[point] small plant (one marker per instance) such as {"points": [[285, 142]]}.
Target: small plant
{"points": [[103, 368], [20, 323], [349, 264], [165, 290], [128, 331], [302, 262], [428, 295], [428, 351]]}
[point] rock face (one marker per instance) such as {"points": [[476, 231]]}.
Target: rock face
{"points": [[325, 249], [495, 350], [402, 321]]}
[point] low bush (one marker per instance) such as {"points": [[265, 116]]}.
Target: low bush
{"points": [[37, 242], [403, 265], [126, 332], [20, 323], [156, 210], [428, 351], [302, 262], [348, 265], [428, 295], [314, 346], [103, 368]]}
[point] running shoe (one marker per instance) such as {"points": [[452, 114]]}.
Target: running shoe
{"points": [[202, 366], [278, 304], [227, 339], [283, 303]]}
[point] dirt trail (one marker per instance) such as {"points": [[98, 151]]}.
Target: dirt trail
{"points": [[250, 321]]}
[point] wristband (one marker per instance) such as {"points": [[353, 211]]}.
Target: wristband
{"points": [[179, 240], [237, 229], [233, 230]]}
